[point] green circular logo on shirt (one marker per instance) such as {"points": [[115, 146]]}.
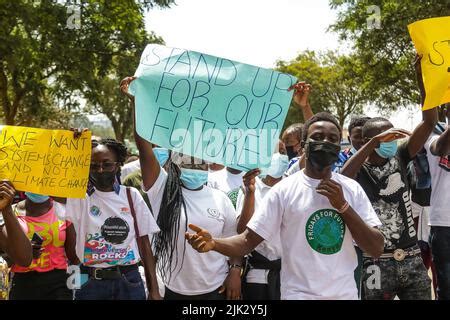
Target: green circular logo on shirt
{"points": [[325, 231]]}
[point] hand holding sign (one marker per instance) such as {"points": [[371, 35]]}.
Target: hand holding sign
{"points": [[431, 38], [78, 132], [7, 193], [301, 93], [124, 85]]}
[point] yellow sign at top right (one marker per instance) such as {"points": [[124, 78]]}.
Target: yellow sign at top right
{"points": [[431, 37]]}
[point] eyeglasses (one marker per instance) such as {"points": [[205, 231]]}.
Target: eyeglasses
{"points": [[106, 166]]}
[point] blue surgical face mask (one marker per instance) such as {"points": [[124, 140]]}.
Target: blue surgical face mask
{"points": [[193, 179], [162, 155], [36, 198], [387, 150], [278, 166]]}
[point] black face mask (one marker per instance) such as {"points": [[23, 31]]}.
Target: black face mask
{"points": [[103, 180], [322, 154], [291, 153]]}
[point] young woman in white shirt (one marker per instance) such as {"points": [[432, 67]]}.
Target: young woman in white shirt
{"points": [[113, 226], [179, 196]]}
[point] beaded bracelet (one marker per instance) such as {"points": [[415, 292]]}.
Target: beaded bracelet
{"points": [[344, 207]]}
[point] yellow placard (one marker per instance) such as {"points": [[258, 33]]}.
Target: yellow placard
{"points": [[48, 162], [431, 37]]}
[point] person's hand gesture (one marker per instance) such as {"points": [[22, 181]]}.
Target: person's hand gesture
{"points": [[249, 180], [301, 93], [124, 84], [7, 193], [333, 191], [201, 241], [392, 134]]}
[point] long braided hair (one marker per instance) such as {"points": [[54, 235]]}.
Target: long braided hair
{"points": [[169, 222]]}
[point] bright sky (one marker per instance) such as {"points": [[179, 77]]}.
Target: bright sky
{"points": [[257, 32]]}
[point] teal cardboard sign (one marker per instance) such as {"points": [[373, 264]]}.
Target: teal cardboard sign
{"points": [[211, 108]]}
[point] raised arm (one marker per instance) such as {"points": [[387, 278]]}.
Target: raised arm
{"points": [[422, 132], [150, 167], [249, 200], [13, 239], [236, 246], [300, 98], [429, 117], [441, 146], [354, 164]]}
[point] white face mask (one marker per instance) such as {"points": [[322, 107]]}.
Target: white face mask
{"points": [[278, 166]]}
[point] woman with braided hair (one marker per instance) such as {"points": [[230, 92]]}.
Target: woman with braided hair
{"points": [[179, 196], [113, 226]]}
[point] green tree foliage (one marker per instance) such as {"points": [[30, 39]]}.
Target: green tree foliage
{"points": [[338, 84], [386, 52], [48, 61]]}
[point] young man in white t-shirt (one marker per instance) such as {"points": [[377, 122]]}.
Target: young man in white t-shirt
{"points": [[438, 151], [317, 214], [227, 180]]}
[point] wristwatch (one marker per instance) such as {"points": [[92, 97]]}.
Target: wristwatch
{"points": [[237, 266]]}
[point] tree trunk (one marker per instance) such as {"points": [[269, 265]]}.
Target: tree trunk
{"points": [[119, 135], [9, 119], [341, 121], [341, 117], [116, 127], [6, 104]]}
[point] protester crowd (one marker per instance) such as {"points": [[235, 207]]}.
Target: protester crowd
{"points": [[368, 222]]}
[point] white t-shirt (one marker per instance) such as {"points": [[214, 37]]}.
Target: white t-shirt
{"points": [[128, 168], [318, 256], [225, 181], [440, 184], [269, 249], [423, 228], [105, 227], [293, 169], [207, 208]]}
